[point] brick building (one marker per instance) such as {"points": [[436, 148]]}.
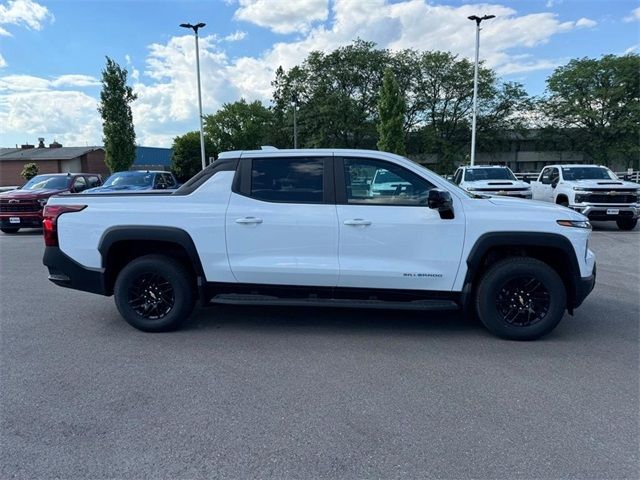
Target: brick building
{"points": [[52, 159]]}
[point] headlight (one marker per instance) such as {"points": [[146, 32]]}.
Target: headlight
{"points": [[42, 201], [574, 223], [580, 189], [469, 189]]}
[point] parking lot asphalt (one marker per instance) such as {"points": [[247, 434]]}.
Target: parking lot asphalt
{"points": [[247, 392]]}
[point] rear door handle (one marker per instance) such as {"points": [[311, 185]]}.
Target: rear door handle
{"points": [[248, 220], [357, 222]]}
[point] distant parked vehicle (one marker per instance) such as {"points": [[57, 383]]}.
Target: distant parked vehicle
{"points": [[138, 180], [593, 190], [491, 180], [22, 207]]}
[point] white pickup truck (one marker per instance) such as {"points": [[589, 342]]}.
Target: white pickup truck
{"points": [[593, 190], [310, 227]]}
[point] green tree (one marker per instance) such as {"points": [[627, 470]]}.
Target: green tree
{"points": [[186, 160], [596, 103], [239, 126], [29, 171], [391, 107], [117, 121]]}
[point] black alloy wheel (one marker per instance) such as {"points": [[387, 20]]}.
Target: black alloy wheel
{"points": [[523, 301], [151, 296]]}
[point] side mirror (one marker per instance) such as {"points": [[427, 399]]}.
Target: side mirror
{"points": [[441, 200], [554, 184], [161, 186]]}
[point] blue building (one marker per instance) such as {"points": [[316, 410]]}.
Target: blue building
{"points": [[152, 158]]}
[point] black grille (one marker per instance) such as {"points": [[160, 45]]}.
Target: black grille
{"points": [[19, 207], [599, 198]]}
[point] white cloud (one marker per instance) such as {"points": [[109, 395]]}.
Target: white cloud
{"points": [[69, 117], [3, 62], [29, 83], [4, 33], [283, 16], [634, 16], [586, 23], [632, 49], [25, 13], [235, 37]]}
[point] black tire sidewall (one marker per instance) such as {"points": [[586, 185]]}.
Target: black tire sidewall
{"points": [[627, 223], [175, 274], [503, 271]]}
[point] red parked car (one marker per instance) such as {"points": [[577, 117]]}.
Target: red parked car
{"points": [[22, 208]]}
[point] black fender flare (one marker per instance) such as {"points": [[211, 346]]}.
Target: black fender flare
{"points": [[152, 233], [491, 240]]}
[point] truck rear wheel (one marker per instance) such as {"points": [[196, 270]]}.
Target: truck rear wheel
{"points": [[627, 223], [9, 229], [521, 298], [154, 293]]}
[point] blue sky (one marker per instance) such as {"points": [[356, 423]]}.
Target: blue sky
{"points": [[51, 52]]}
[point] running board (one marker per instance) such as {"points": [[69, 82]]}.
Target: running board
{"points": [[243, 299]]}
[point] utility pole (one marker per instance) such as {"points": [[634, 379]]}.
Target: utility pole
{"points": [[294, 99], [195, 29], [475, 84]]}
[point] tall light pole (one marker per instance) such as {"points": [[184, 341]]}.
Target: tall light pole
{"points": [[475, 84], [195, 29], [294, 102]]}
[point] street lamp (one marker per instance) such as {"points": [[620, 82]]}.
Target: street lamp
{"points": [[475, 84], [195, 29]]}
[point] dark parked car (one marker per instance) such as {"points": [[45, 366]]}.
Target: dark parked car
{"points": [[22, 208], [131, 181]]}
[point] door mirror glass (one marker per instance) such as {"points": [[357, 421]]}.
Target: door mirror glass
{"points": [[441, 200]]}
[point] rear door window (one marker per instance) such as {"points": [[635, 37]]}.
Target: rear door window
{"points": [[289, 180]]}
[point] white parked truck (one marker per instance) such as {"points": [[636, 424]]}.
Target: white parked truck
{"points": [[491, 180], [593, 190], [310, 227]]}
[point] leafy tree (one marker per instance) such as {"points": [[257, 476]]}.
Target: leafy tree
{"points": [[337, 96], [117, 121], [186, 160], [391, 108], [596, 103], [239, 126], [29, 171]]}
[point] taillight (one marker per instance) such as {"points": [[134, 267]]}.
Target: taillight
{"points": [[50, 222]]}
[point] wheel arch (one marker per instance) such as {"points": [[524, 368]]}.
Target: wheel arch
{"points": [[121, 244], [551, 248]]}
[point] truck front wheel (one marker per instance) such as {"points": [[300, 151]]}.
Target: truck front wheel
{"points": [[627, 223], [521, 298], [154, 293]]}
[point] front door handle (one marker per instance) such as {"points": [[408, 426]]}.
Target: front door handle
{"points": [[358, 222], [248, 220]]}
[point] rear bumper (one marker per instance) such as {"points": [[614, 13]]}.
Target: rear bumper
{"points": [[66, 272]]}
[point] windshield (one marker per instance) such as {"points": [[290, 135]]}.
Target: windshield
{"points": [[450, 185], [385, 176], [475, 174], [48, 182], [588, 173], [137, 179]]}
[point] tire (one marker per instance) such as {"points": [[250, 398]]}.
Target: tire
{"points": [[564, 203], [510, 280], [9, 229], [155, 293], [627, 223]]}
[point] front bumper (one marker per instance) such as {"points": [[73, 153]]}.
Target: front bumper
{"points": [[27, 220], [600, 212], [66, 272], [583, 287]]}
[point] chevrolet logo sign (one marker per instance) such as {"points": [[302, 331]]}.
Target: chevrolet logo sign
{"points": [[613, 192], [13, 200]]}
